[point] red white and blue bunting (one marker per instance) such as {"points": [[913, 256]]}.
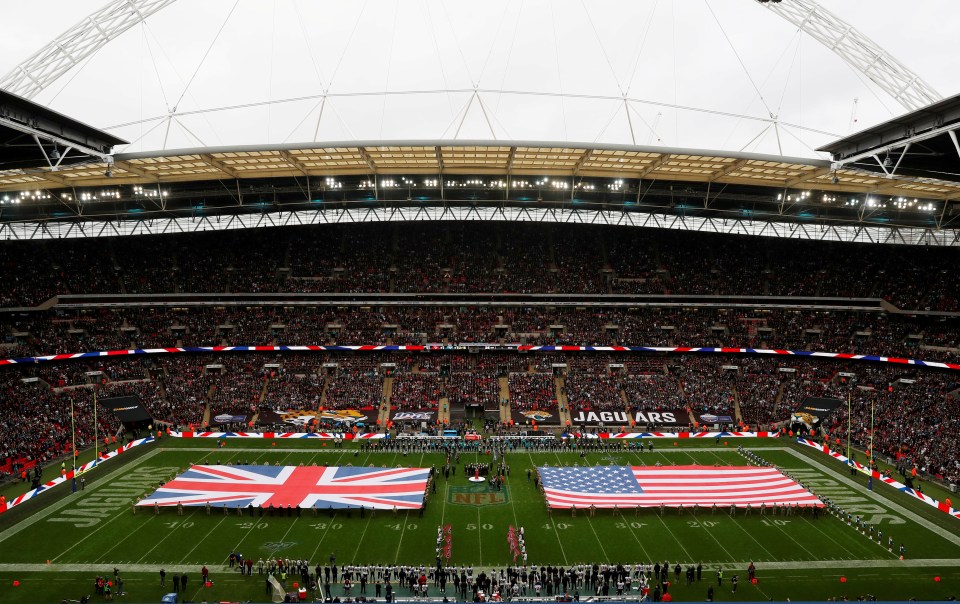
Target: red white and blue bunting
{"points": [[70, 474], [517, 347], [943, 507]]}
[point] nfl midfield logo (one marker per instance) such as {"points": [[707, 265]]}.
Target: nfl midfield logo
{"points": [[477, 496]]}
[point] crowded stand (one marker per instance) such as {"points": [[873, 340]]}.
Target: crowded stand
{"points": [[481, 388], [237, 385], [461, 259], [523, 259], [916, 409], [935, 338], [416, 391], [593, 390], [186, 386], [707, 387], [532, 391], [657, 391], [353, 386], [758, 387], [294, 385]]}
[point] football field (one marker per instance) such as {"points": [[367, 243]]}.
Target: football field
{"points": [[56, 550]]}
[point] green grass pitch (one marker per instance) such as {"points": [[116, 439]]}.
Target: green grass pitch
{"points": [[798, 557]]}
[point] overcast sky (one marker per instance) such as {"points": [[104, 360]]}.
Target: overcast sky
{"points": [[702, 73]]}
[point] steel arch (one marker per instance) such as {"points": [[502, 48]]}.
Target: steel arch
{"points": [[81, 41], [858, 51]]}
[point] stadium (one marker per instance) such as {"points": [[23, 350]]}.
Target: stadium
{"points": [[444, 302]]}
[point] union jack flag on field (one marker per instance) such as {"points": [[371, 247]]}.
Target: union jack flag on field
{"points": [[305, 487], [672, 486]]}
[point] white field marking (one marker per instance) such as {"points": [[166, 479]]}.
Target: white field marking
{"points": [[788, 535], [841, 478], [326, 530], [714, 537], [738, 525], [513, 504], [639, 541], [255, 522], [91, 534], [217, 525], [674, 536], [405, 517], [199, 541], [827, 535], [603, 550], [56, 507], [822, 532], [128, 535], [367, 524], [552, 522], [136, 530]]}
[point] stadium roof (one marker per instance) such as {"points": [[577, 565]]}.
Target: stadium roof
{"points": [[921, 143], [33, 137], [464, 114], [480, 158]]}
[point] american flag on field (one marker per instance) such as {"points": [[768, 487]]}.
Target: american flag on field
{"points": [[304, 486], [672, 486]]}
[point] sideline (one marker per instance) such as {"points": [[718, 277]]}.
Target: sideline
{"points": [[886, 501], [102, 482], [761, 566]]}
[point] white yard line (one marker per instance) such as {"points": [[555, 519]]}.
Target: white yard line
{"points": [[56, 507], [737, 524], [861, 490], [326, 530], [600, 541], [781, 529], [255, 520], [639, 541], [197, 544], [405, 518], [552, 523]]}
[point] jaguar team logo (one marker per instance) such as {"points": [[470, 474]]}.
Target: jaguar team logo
{"points": [[299, 418], [537, 415], [346, 417], [804, 418]]}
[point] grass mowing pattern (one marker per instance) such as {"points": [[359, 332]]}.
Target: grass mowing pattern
{"points": [[91, 532]]}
